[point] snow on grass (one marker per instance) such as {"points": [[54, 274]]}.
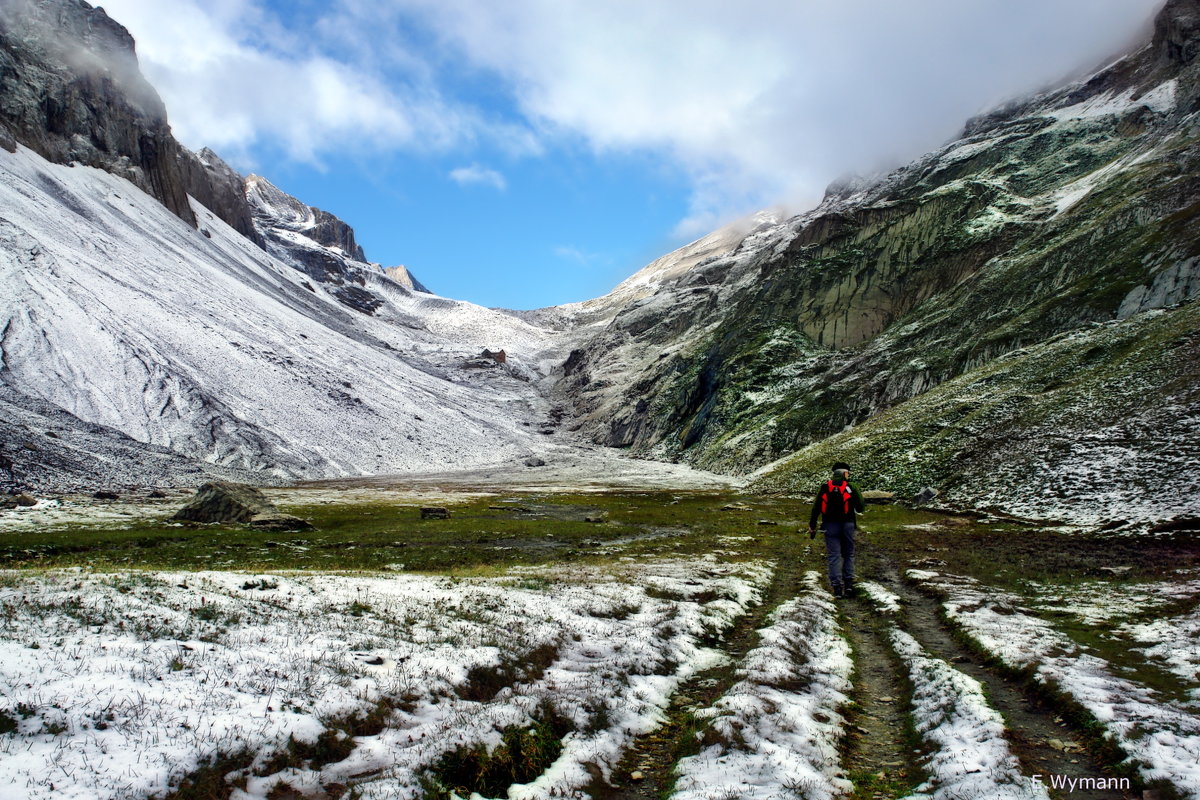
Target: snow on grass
{"points": [[1103, 602], [1159, 737], [885, 600], [120, 685], [970, 756], [1174, 642], [778, 729]]}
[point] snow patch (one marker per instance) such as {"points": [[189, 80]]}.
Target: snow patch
{"points": [[779, 727], [1161, 738], [971, 757], [123, 684]]}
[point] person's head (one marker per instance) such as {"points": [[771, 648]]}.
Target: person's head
{"points": [[841, 470]]}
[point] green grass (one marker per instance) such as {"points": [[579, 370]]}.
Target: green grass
{"points": [[482, 534]]}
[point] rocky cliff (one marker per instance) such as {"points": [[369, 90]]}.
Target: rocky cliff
{"points": [[1074, 208], [71, 90], [321, 246]]}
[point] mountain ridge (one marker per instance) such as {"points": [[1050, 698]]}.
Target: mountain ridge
{"points": [[1046, 232]]}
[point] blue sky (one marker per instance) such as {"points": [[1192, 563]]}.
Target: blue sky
{"points": [[532, 152], [561, 228]]}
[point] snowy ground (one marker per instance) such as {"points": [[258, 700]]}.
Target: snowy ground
{"points": [[1102, 601], [969, 755], [778, 729], [1161, 738], [1138, 612], [120, 685]]}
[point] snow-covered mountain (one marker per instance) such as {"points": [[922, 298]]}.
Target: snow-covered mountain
{"points": [[1000, 307], [119, 313]]}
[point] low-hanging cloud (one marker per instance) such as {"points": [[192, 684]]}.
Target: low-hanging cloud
{"points": [[758, 103], [768, 101]]}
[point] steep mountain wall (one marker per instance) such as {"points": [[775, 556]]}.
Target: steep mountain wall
{"points": [[71, 91], [1075, 207]]}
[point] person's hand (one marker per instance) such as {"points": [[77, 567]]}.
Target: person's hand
{"points": [[812, 533]]}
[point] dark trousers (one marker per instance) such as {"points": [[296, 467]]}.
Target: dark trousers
{"points": [[839, 549]]}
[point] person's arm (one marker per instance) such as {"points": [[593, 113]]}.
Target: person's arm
{"points": [[856, 499], [816, 510]]}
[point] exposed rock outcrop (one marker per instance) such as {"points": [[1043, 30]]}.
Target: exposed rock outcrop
{"points": [[221, 189], [70, 89], [224, 502], [403, 276]]}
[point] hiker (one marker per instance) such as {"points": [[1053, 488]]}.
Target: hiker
{"points": [[837, 501]]}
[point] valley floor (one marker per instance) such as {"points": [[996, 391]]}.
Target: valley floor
{"points": [[599, 643]]}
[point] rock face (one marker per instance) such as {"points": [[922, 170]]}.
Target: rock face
{"points": [[70, 89], [224, 502], [321, 246], [221, 189], [403, 276]]}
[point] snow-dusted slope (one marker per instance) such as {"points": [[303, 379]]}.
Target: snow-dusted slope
{"points": [[117, 312]]}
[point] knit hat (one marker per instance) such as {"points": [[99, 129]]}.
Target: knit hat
{"points": [[840, 465]]}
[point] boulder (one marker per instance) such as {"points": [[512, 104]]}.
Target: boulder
{"points": [[926, 495], [433, 512], [223, 501], [876, 496], [534, 461], [17, 501], [104, 494]]}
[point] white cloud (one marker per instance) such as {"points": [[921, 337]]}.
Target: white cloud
{"points": [[767, 101], [477, 174], [233, 78], [758, 103], [580, 257]]}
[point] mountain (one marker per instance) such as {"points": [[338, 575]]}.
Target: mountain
{"points": [[164, 319], [1011, 319], [1016, 308]]}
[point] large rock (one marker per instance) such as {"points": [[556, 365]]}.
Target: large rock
{"points": [[222, 501]]}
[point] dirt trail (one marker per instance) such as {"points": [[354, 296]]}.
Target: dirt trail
{"points": [[654, 755], [878, 756], [1031, 721]]}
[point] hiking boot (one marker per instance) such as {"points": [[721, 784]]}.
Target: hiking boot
{"points": [[848, 589], [838, 591]]}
